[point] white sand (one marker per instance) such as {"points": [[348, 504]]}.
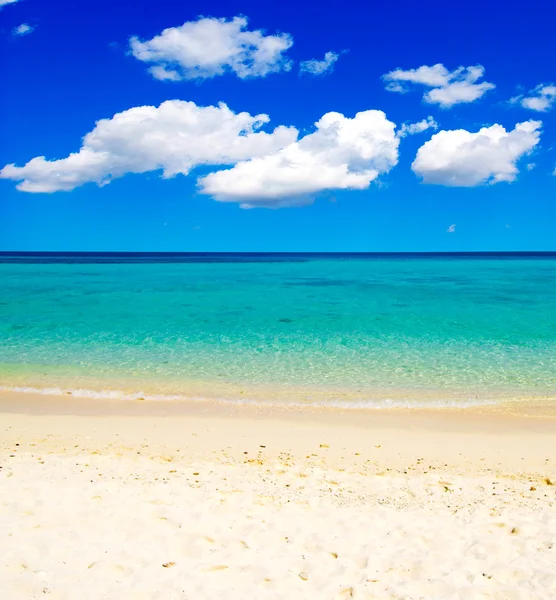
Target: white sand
{"points": [[189, 505]]}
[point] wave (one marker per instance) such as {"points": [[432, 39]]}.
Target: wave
{"points": [[369, 403]]}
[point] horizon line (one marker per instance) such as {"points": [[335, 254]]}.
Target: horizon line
{"points": [[262, 253]]}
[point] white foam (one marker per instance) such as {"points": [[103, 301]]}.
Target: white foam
{"points": [[370, 403]]}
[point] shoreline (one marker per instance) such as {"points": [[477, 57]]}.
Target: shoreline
{"points": [[468, 440], [396, 399]]}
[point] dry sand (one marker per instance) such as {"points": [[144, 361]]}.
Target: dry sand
{"points": [[139, 500]]}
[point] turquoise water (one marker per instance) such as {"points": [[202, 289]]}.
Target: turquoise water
{"points": [[347, 331]]}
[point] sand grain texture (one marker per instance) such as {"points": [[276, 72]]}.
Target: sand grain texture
{"points": [[85, 517]]}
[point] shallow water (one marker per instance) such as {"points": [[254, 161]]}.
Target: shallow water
{"points": [[343, 330]]}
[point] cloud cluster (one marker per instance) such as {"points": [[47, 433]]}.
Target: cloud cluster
{"points": [[6, 2], [276, 167], [448, 87], [270, 169], [540, 98], [208, 47], [23, 29], [174, 137], [465, 159], [255, 165], [342, 153], [319, 67], [419, 127]]}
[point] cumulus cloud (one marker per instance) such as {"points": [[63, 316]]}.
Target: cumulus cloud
{"points": [[208, 47], [419, 127], [465, 159], [270, 168], [540, 98], [6, 2], [452, 228], [343, 153], [23, 29], [319, 67], [174, 137], [448, 87]]}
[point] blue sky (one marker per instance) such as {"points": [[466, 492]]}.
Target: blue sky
{"points": [[352, 183]]}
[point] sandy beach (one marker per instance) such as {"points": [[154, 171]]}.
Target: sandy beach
{"points": [[144, 500]]}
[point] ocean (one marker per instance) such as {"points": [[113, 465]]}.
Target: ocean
{"points": [[345, 330]]}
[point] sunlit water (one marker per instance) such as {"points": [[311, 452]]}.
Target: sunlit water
{"points": [[341, 331]]}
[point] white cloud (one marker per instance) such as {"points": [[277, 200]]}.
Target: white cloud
{"points": [[271, 169], [319, 67], [174, 137], [23, 29], [342, 153], [208, 47], [452, 228], [462, 158], [448, 87], [540, 98], [435, 76], [419, 127], [6, 2]]}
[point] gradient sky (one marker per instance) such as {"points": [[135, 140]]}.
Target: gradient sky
{"points": [[67, 65]]}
